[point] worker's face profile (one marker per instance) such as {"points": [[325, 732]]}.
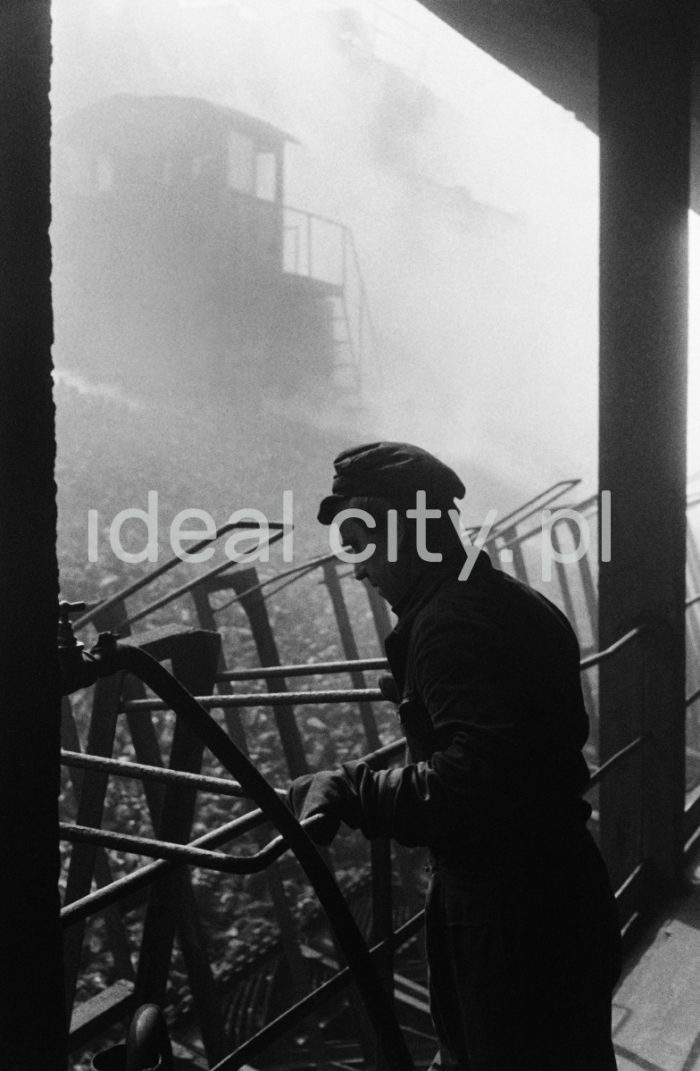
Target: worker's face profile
{"points": [[374, 563]]}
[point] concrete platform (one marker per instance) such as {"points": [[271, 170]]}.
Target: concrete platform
{"points": [[656, 1012]]}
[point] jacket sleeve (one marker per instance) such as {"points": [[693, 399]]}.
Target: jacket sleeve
{"points": [[471, 782], [507, 732]]}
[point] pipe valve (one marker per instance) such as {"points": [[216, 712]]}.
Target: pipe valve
{"points": [[76, 665]]}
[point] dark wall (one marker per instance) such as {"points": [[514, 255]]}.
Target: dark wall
{"points": [[31, 1007]]}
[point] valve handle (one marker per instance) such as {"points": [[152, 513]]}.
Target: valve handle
{"points": [[66, 636], [65, 609], [148, 1044]]}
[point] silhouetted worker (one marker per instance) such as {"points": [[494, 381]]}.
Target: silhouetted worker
{"points": [[521, 927]]}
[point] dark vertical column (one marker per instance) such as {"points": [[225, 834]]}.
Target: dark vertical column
{"points": [[31, 1008], [644, 81], [90, 810]]}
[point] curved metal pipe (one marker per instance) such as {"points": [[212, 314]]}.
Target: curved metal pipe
{"points": [[182, 853], [110, 657]]}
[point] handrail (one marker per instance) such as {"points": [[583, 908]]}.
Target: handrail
{"points": [[522, 537], [215, 860], [225, 786], [144, 581], [601, 656], [304, 669], [116, 890], [221, 785], [182, 853], [275, 848], [316, 668], [310, 669], [296, 573], [554, 491], [278, 533], [518, 537], [336, 695], [315, 215], [603, 770], [193, 853], [91, 903], [264, 699]]}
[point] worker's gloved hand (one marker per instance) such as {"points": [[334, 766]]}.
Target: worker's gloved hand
{"points": [[389, 688], [323, 794]]}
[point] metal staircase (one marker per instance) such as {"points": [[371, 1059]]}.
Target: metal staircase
{"points": [[323, 252]]}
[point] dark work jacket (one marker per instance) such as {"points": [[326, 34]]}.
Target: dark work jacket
{"points": [[490, 670]]}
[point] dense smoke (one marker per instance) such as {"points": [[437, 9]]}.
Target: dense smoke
{"points": [[471, 198]]}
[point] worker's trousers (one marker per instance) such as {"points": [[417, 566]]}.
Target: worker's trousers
{"points": [[522, 962]]}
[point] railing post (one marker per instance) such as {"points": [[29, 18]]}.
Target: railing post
{"points": [[644, 117], [350, 650], [205, 615], [171, 903], [254, 605]]}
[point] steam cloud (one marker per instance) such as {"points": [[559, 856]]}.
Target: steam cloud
{"points": [[472, 200]]}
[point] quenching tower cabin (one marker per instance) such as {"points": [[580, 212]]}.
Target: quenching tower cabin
{"points": [[146, 187]]}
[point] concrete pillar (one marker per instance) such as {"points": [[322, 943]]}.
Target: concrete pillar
{"points": [[644, 83], [31, 1005]]}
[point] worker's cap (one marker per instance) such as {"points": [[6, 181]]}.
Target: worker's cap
{"points": [[392, 471]]}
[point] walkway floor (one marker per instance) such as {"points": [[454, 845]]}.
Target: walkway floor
{"points": [[656, 1013]]}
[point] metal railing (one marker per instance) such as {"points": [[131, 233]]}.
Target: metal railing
{"points": [[131, 589], [114, 658], [323, 250], [170, 856], [200, 852]]}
